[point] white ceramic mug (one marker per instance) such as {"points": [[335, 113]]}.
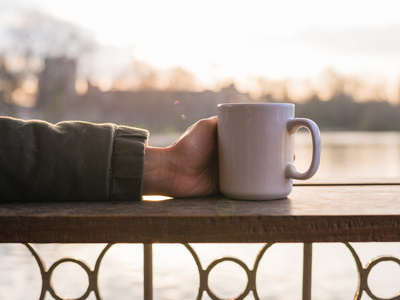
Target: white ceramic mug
{"points": [[255, 145]]}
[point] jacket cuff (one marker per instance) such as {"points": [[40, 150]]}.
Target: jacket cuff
{"points": [[127, 163]]}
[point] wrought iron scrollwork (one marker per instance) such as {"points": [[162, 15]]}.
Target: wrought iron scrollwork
{"points": [[47, 274], [363, 274], [204, 272]]}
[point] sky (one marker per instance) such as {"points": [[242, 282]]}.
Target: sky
{"points": [[216, 39]]}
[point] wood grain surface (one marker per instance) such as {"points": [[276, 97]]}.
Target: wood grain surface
{"points": [[321, 213]]}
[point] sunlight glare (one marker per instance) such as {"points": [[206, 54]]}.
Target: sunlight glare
{"points": [[156, 198]]}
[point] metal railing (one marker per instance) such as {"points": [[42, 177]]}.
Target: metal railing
{"points": [[204, 273]]}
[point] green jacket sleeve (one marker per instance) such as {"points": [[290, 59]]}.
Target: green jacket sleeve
{"points": [[70, 161]]}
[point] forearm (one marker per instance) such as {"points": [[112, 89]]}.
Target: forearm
{"points": [[69, 161]]}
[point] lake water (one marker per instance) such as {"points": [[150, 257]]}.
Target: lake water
{"points": [[346, 156]]}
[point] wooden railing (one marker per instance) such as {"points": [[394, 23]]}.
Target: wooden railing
{"points": [[341, 213]]}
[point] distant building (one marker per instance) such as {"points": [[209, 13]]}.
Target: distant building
{"points": [[56, 87]]}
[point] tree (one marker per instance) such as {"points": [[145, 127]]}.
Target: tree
{"points": [[9, 81], [43, 36], [147, 76], [38, 38], [180, 79]]}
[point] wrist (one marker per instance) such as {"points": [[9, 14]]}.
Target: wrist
{"points": [[157, 171]]}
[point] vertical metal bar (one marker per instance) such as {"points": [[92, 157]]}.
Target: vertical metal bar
{"points": [[148, 271], [307, 271]]}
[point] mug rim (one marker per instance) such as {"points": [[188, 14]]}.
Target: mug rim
{"points": [[256, 104]]}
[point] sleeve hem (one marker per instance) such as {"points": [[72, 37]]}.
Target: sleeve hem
{"points": [[127, 163]]}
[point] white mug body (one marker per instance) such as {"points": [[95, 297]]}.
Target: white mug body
{"points": [[256, 150]]}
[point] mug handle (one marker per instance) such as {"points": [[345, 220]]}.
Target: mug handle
{"points": [[292, 126]]}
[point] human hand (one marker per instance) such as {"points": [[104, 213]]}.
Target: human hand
{"points": [[188, 168]]}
